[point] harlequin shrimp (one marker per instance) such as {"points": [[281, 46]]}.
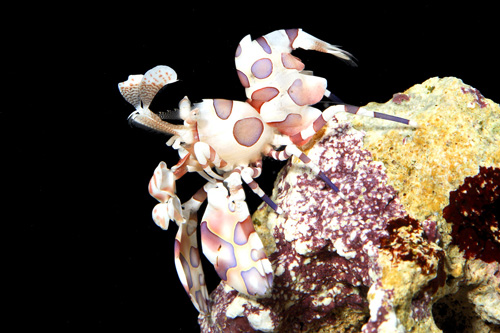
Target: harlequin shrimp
{"points": [[224, 141]]}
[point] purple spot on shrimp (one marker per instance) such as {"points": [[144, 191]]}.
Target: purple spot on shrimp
{"points": [[296, 93], [262, 68], [221, 251], [223, 108], [186, 270], [291, 62], [243, 79], [248, 131], [238, 51], [194, 257], [243, 230], [307, 90], [292, 34], [257, 255], [201, 300], [265, 94], [254, 282], [263, 43]]}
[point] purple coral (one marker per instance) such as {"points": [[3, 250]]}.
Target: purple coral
{"points": [[327, 248], [474, 211], [417, 248]]}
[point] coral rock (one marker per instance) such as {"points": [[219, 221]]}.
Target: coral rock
{"points": [[385, 260]]}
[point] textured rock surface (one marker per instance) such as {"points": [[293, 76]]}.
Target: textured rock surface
{"points": [[459, 134], [386, 259], [459, 131]]}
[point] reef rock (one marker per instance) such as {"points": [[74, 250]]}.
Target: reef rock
{"points": [[415, 245]]}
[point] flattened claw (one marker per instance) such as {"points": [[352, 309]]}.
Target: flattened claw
{"points": [[160, 215], [162, 184], [187, 257], [232, 245], [164, 212], [162, 188]]}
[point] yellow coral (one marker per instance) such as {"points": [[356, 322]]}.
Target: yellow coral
{"points": [[455, 137]]}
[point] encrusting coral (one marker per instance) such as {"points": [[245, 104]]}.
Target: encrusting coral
{"points": [[387, 259], [474, 212]]}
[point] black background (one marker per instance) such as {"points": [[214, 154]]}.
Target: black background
{"points": [[84, 251]]}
